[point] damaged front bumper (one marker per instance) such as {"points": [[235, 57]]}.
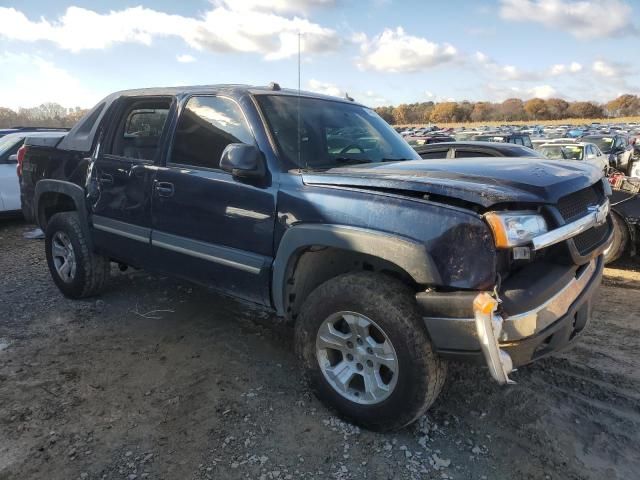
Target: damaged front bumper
{"points": [[541, 310], [489, 327]]}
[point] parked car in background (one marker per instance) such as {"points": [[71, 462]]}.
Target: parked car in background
{"points": [[586, 152], [617, 147], [428, 139], [9, 176], [515, 138], [219, 185], [474, 149]]}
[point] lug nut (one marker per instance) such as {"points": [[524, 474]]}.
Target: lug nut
{"points": [[349, 344], [359, 366], [349, 357], [369, 364], [370, 350], [359, 341]]}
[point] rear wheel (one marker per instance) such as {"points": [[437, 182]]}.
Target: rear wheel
{"points": [[76, 271], [366, 352], [620, 240]]}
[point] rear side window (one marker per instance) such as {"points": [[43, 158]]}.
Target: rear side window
{"points": [[139, 130], [472, 153], [431, 154], [527, 142], [206, 126]]}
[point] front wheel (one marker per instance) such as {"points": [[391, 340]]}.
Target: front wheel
{"points": [[366, 352]]}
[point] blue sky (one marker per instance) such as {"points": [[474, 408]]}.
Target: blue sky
{"points": [[379, 51]]}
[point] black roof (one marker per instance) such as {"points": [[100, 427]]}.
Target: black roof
{"points": [[506, 149], [80, 138], [231, 88]]}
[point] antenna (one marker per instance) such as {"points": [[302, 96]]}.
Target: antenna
{"points": [[298, 112], [299, 66]]}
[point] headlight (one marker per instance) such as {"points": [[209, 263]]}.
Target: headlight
{"points": [[511, 229]]}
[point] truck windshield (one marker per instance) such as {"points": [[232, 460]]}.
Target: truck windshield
{"points": [[317, 134]]}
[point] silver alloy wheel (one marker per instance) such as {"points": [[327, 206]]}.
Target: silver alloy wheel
{"points": [[64, 258], [357, 358]]}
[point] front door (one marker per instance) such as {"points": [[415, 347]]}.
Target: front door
{"points": [[122, 179], [207, 225]]}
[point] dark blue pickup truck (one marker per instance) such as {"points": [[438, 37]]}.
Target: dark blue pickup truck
{"points": [[388, 265]]}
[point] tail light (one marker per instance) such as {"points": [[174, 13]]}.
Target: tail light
{"points": [[21, 152]]}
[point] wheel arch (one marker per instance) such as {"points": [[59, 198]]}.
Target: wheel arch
{"points": [[631, 230], [310, 254], [55, 196]]}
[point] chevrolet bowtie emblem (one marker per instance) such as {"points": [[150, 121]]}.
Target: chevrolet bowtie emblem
{"points": [[601, 212]]}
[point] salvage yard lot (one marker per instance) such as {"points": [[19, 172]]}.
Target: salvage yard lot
{"points": [[161, 379]]}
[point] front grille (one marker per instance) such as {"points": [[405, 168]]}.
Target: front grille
{"points": [[587, 241], [576, 205]]}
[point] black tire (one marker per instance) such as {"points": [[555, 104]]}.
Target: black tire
{"points": [[91, 270], [391, 305], [620, 240]]}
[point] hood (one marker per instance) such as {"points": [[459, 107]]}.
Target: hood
{"points": [[483, 181]]}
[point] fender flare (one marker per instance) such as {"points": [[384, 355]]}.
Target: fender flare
{"points": [[408, 254], [72, 190]]}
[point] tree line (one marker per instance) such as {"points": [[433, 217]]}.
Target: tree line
{"points": [[45, 115], [512, 109]]}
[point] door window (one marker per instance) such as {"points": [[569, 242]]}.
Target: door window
{"points": [[206, 126], [139, 130]]}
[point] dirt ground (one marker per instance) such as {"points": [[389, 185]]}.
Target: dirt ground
{"points": [[159, 379]]}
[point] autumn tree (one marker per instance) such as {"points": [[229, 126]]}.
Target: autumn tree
{"points": [[624, 105], [536, 109], [482, 111], [557, 108], [400, 114], [585, 110], [512, 109], [444, 112], [8, 118]]}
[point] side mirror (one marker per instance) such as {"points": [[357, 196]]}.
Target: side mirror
{"points": [[13, 158], [243, 161]]}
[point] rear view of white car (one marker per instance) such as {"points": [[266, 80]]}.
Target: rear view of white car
{"points": [[10, 203], [9, 185]]}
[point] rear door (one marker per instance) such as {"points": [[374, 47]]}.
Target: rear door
{"points": [[122, 178], [207, 225]]}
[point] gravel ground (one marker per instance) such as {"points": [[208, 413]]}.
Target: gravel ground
{"points": [[160, 379]]}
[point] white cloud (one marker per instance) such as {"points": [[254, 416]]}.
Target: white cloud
{"points": [[542, 91], [325, 88], [396, 52], [605, 69], [35, 80], [561, 69], [505, 72], [185, 58], [583, 19], [284, 6], [513, 73], [223, 28], [499, 93]]}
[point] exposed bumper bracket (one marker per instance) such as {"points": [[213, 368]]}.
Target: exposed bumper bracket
{"points": [[489, 328]]}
